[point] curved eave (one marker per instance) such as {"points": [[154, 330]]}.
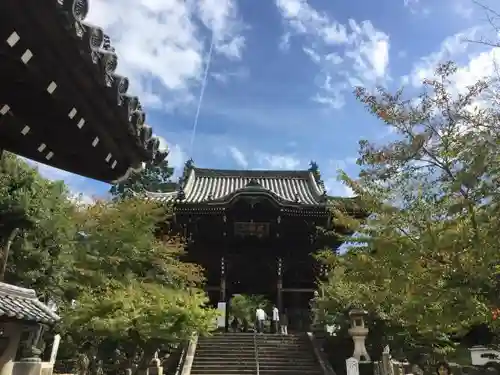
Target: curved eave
{"points": [[350, 205], [60, 85], [221, 209], [161, 197], [250, 192]]}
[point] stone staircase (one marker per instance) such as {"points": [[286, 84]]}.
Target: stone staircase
{"points": [[234, 354], [286, 355], [225, 354]]}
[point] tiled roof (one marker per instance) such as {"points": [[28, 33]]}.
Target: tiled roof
{"points": [[214, 185], [89, 101], [21, 303], [96, 48]]}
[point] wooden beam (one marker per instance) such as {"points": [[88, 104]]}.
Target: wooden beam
{"points": [[301, 290]]}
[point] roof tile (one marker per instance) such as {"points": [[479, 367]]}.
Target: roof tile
{"points": [[21, 303], [205, 185]]}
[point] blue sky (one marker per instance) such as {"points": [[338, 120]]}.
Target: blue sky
{"points": [[279, 89]]}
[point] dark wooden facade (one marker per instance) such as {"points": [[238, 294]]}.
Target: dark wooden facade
{"points": [[253, 231], [61, 101]]}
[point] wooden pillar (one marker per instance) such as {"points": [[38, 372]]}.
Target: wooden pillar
{"points": [[279, 288], [222, 280]]}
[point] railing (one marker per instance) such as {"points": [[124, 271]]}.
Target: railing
{"points": [[256, 350], [182, 358], [320, 355]]}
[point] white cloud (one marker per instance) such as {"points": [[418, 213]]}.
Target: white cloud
{"points": [[365, 55], [416, 7], [451, 48], [474, 62], [277, 161], [82, 199], [226, 75], [238, 156], [332, 184], [176, 155], [162, 44], [337, 188], [463, 10]]}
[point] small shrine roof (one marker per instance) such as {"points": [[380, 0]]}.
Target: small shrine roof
{"points": [[23, 304], [219, 185]]}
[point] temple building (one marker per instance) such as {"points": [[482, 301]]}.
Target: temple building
{"points": [[254, 232]]}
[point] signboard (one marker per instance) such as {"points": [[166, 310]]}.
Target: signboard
{"points": [[221, 316], [352, 366], [245, 229]]}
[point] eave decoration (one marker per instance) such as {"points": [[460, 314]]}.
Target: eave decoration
{"points": [[103, 55], [66, 68]]}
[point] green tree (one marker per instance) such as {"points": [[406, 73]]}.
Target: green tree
{"points": [[36, 218], [314, 169], [424, 261], [154, 177], [244, 306], [130, 284]]}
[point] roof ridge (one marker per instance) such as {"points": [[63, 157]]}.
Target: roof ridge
{"points": [[268, 173], [17, 291]]}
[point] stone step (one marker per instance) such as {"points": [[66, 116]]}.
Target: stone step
{"points": [[251, 354], [249, 366], [221, 371], [234, 354], [275, 361], [230, 372], [253, 366], [214, 351]]}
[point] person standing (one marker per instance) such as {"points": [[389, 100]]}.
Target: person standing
{"points": [[284, 323], [276, 319], [260, 316]]}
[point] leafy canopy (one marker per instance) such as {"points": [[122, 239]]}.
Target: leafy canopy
{"points": [[154, 177], [126, 277], [38, 257], [425, 259]]}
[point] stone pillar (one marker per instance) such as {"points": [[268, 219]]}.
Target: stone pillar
{"points": [[222, 280], [32, 352], [155, 367], [279, 285], [11, 332], [55, 348]]}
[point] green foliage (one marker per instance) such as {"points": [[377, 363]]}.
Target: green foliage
{"points": [[244, 306], [188, 165], [120, 284], [424, 260], [128, 282], [154, 177], [314, 169], [38, 257]]}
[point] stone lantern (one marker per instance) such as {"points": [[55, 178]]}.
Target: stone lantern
{"points": [[358, 332]]}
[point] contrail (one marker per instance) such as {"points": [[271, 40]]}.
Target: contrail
{"points": [[200, 99]]}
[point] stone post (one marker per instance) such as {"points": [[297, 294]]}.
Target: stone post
{"points": [[155, 368], [222, 280], [352, 366], [55, 348], [279, 286], [358, 332]]}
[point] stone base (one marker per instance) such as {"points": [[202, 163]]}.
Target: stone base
{"points": [[157, 370], [32, 368]]}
